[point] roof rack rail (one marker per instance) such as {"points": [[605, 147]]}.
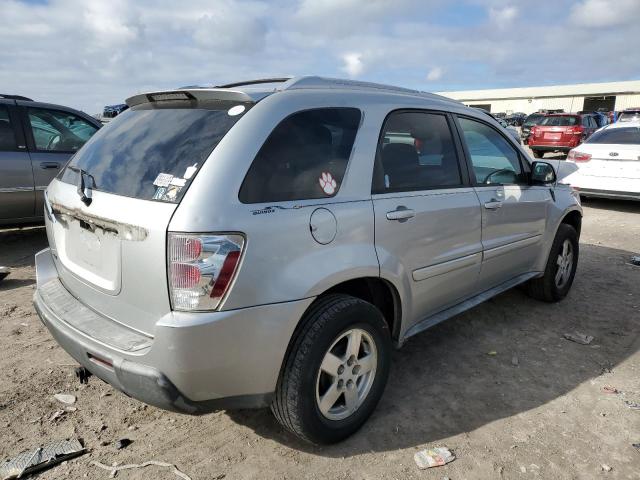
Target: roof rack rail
{"points": [[15, 97], [327, 82], [254, 82]]}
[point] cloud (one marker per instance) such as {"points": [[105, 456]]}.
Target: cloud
{"points": [[352, 64], [111, 22], [435, 74], [503, 16], [605, 13], [229, 30], [89, 54]]}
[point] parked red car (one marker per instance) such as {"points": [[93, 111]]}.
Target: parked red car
{"points": [[561, 132]]}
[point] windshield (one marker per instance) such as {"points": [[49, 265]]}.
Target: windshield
{"points": [[559, 121], [152, 151], [630, 116], [617, 136]]}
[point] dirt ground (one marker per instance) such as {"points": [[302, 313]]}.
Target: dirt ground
{"points": [[547, 417]]}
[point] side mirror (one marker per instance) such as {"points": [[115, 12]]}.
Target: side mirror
{"points": [[542, 173]]}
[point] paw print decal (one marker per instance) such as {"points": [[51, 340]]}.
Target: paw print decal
{"points": [[327, 183]]}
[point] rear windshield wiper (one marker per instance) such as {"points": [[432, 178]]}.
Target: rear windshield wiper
{"points": [[84, 187]]}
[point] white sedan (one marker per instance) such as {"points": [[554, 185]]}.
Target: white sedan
{"points": [[608, 163]]}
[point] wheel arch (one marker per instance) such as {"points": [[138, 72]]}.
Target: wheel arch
{"points": [[379, 292], [375, 290], [573, 218]]}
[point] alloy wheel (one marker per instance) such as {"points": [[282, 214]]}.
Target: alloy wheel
{"points": [[565, 264], [346, 374]]}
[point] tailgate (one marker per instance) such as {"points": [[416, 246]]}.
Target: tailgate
{"points": [[614, 161], [554, 134], [111, 255]]}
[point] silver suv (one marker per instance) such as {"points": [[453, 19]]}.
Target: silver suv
{"points": [[266, 243]]}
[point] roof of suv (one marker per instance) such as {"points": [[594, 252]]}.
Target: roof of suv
{"points": [[15, 97], [254, 90]]}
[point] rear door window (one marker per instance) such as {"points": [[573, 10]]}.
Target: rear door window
{"points": [[417, 153], [152, 151], [59, 131], [305, 157], [7, 135]]}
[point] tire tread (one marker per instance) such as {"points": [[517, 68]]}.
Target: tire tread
{"points": [[543, 288], [285, 403]]}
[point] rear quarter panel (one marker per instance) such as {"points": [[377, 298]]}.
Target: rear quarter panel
{"points": [[282, 262]]}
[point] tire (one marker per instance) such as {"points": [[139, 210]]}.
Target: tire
{"points": [[547, 288], [538, 153], [302, 382]]}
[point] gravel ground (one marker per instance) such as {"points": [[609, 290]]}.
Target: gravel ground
{"points": [[546, 417]]}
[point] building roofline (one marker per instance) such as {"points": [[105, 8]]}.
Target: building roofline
{"points": [[602, 88]]}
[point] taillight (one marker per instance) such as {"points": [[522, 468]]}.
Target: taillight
{"points": [[533, 131], [201, 269], [575, 156], [418, 143]]}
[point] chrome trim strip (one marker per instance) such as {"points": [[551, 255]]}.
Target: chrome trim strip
{"points": [[16, 189], [510, 247], [446, 267]]}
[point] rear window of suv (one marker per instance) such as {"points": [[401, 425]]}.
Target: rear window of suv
{"points": [[305, 157], [630, 116], [560, 121], [152, 151]]}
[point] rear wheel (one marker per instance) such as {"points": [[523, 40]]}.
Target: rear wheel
{"points": [[538, 153], [560, 269], [336, 370]]}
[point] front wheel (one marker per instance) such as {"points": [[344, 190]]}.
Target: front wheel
{"points": [[561, 266], [336, 370]]}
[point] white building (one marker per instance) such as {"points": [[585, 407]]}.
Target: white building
{"points": [[571, 98]]}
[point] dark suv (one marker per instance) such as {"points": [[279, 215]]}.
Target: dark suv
{"points": [[530, 121], [36, 141], [560, 132]]}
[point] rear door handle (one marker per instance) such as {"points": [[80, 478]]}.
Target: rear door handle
{"points": [[46, 165], [493, 205], [401, 213]]}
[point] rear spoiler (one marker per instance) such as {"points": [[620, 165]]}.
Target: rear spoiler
{"points": [[198, 94]]}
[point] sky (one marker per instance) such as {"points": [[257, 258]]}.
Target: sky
{"points": [[87, 54]]}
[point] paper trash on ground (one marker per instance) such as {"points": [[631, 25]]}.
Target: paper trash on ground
{"points": [[433, 457]]}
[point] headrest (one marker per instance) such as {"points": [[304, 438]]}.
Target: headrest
{"points": [[399, 153]]}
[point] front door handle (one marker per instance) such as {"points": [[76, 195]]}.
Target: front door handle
{"points": [[47, 165], [401, 213], [493, 205]]}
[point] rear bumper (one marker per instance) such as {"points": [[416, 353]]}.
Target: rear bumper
{"points": [[195, 362], [550, 148]]}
